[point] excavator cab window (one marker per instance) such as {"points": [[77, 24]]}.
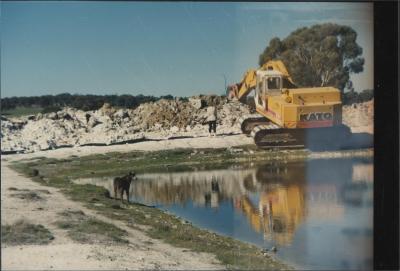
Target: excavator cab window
{"points": [[259, 90], [274, 85]]}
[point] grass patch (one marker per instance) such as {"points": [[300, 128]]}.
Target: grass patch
{"points": [[88, 230], [27, 195], [21, 111], [44, 191], [24, 233], [114, 164]]}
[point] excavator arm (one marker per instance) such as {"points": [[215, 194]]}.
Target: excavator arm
{"points": [[244, 87], [248, 83]]}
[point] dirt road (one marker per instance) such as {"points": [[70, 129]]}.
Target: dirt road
{"points": [[220, 141], [63, 253]]}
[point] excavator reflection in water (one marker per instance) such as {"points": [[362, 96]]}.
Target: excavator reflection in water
{"points": [[289, 194], [281, 206]]}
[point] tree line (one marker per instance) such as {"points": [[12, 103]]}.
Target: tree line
{"points": [[352, 96], [83, 102]]}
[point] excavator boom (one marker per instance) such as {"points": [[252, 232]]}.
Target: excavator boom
{"points": [[243, 88]]}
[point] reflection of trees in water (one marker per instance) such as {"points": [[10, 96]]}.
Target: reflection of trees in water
{"points": [[357, 194], [281, 173]]}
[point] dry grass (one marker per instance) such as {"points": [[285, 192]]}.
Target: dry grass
{"points": [[27, 195], [87, 230], [24, 233]]}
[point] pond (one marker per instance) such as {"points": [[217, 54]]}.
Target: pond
{"points": [[317, 213]]}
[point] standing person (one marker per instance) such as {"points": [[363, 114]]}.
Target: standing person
{"points": [[87, 117], [212, 119]]}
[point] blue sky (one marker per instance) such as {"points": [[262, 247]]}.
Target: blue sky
{"points": [[178, 48]]}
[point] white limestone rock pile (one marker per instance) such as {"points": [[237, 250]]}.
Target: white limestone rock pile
{"points": [[108, 125], [359, 117]]}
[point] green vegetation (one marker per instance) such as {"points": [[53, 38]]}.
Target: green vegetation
{"points": [[17, 106], [352, 97], [50, 109], [27, 195], [113, 164], [20, 111], [24, 233], [319, 55], [88, 230]]}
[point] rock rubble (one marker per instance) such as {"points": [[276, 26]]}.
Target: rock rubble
{"points": [[156, 120], [359, 117]]}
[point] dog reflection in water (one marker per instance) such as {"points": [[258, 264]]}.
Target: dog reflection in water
{"points": [[122, 184]]}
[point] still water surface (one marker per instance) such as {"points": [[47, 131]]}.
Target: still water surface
{"points": [[318, 213]]}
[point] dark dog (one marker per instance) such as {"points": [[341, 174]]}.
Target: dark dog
{"points": [[122, 184]]}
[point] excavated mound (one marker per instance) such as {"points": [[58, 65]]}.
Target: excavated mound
{"points": [[155, 120]]}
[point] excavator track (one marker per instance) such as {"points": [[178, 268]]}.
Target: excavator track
{"points": [[272, 136], [248, 122], [266, 134]]}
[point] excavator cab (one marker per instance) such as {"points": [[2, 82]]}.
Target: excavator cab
{"points": [[268, 83]]}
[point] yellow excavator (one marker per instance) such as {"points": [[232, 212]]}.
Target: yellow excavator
{"points": [[280, 211], [290, 116]]}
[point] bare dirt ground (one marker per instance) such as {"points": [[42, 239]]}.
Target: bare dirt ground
{"points": [[63, 253], [221, 141]]}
